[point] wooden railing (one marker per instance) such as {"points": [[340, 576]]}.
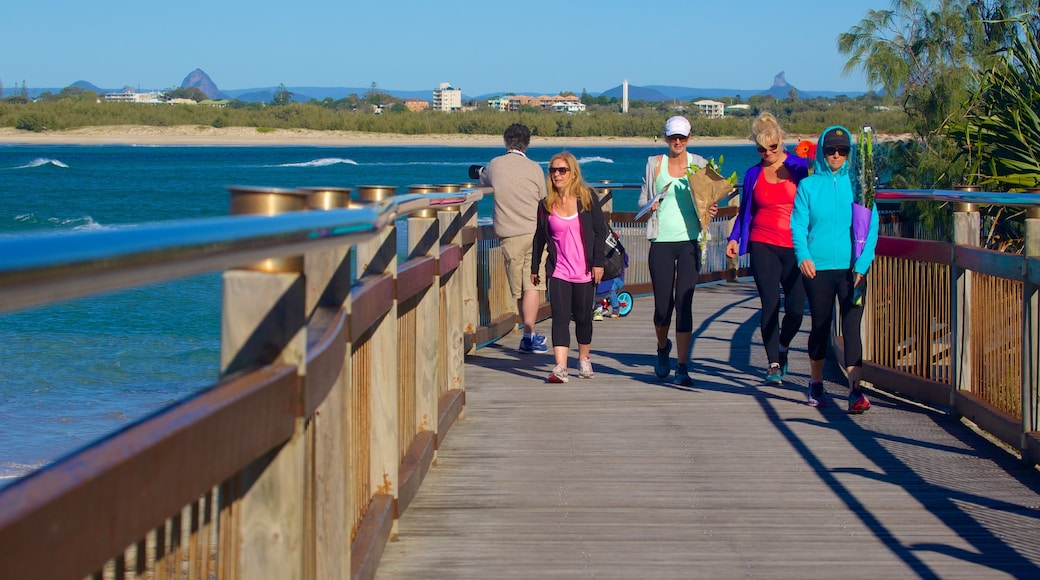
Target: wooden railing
{"points": [[956, 326], [341, 366], [341, 369]]}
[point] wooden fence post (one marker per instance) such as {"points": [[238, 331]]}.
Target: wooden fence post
{"points": [[966, 232], [264, 323]]}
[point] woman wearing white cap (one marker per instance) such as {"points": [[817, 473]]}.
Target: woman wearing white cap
{"points": [[674, 261]]}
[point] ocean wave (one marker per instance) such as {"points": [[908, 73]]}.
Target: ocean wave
{"points": [[12, 470], [78, 223], [595, 159], [42, 162], [323, 162]]}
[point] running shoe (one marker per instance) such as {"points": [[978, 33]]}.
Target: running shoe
{"points": [[597, 315], [815, 395], [534, 344], [682, 376], [783, 363], [663, 366], [774, 375], [559, 375], [858, 402], [584, 367]]}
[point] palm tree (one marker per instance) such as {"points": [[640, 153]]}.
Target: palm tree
{"points": [[1000, 134]]}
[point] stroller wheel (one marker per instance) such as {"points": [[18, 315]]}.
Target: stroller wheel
{"points": [[624, 303]]}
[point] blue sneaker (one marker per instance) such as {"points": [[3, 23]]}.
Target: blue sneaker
{"points": [[783, 363], [532, 344], [682, 376], [775, 375], [663, 366]]}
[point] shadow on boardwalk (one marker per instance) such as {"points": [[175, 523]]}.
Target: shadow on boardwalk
{"points": [[627, 476]]}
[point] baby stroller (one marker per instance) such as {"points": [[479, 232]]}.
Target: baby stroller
{"points": [[602, 302]]}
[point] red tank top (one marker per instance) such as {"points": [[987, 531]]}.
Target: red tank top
{"points": [[771, 222]]}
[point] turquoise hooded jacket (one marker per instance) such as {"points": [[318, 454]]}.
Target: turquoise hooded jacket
{"points": [[821, 222]]}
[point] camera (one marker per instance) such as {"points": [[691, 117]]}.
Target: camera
{"points": [[475, 171]]}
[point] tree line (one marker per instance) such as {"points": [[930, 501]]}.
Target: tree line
{"points": [[381, 113]]}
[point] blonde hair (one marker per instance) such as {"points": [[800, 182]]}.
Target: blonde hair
{"points": [[575, 183], [766, 131]]}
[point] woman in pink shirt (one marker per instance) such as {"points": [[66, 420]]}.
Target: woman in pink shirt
{"points": [[763, 229], [570, 222]]}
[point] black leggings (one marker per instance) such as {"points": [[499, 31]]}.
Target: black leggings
{"points": [[674, 269], [774, 267], [569, 300], [822, 290]]}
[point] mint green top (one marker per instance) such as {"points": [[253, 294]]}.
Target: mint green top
{"points": [[676, 214]]}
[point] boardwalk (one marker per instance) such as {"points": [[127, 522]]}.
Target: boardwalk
{"points": [[625, 476]]}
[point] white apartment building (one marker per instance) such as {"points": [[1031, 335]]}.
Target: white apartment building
{"points": [[569, 107], [711, 109], [130, 96], [447, 98]]}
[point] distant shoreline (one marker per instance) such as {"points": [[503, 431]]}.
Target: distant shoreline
{"points": [[195, 135], [251, 137]]}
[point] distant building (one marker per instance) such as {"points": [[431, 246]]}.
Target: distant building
{"points": [[130, 96], [498, 103], [711, 109], [447, 98], [569, 106], [739, 109], [559, 103], [416, 105]]}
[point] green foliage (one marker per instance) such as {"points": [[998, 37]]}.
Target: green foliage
{"points": [[30, 122], [1000, 134]]}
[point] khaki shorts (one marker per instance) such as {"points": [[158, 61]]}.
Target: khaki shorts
{"points": [[517, 253]]}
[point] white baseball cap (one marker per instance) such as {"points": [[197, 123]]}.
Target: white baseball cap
{"points": [[677, 125]]}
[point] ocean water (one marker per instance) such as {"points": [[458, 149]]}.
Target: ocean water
{"points": [[74, 372]]}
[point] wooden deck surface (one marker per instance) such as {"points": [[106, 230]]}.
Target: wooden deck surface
{"points": [[628, 476]]}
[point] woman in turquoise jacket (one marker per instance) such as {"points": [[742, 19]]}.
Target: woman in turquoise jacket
{"points": [[821, 229]]}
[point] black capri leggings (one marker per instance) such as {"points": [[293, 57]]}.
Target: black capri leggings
{"points": [[674, 269], [774, 267], [822, 290], [570, 300]]}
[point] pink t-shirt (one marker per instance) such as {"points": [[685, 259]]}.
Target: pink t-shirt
{"points": [[570, 249], [771, 223]]}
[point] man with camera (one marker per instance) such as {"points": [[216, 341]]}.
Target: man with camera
{"points": [[519, 186]]}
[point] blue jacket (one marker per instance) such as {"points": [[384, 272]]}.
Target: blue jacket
{"points": [[821, 223], [797, 168]]}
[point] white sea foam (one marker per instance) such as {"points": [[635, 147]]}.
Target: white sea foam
{"points": [[595, 159], [323, 162], [78, 223], [12, 470], [41, 162]]}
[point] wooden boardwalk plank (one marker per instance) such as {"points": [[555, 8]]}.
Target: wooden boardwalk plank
{"points": [[626, 476]]}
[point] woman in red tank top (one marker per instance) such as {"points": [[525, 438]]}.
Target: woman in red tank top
{"points": [[763, 230]]}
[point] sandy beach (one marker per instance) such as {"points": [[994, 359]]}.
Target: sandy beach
{"points": [[249, 136]]}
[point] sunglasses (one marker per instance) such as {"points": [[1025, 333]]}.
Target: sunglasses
{"points": [[843, 151], [560, 170], [677, 138], [772, 147]]}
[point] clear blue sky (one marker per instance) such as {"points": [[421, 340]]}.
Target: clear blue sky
{"points": [[479, 47]]}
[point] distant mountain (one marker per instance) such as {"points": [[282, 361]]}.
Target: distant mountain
{"points": [[781, 89], [655, 93], [87, 87], [200, 80]]}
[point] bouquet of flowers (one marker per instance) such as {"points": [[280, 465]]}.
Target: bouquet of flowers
{"points": [[708, 187], [864, 188]]}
